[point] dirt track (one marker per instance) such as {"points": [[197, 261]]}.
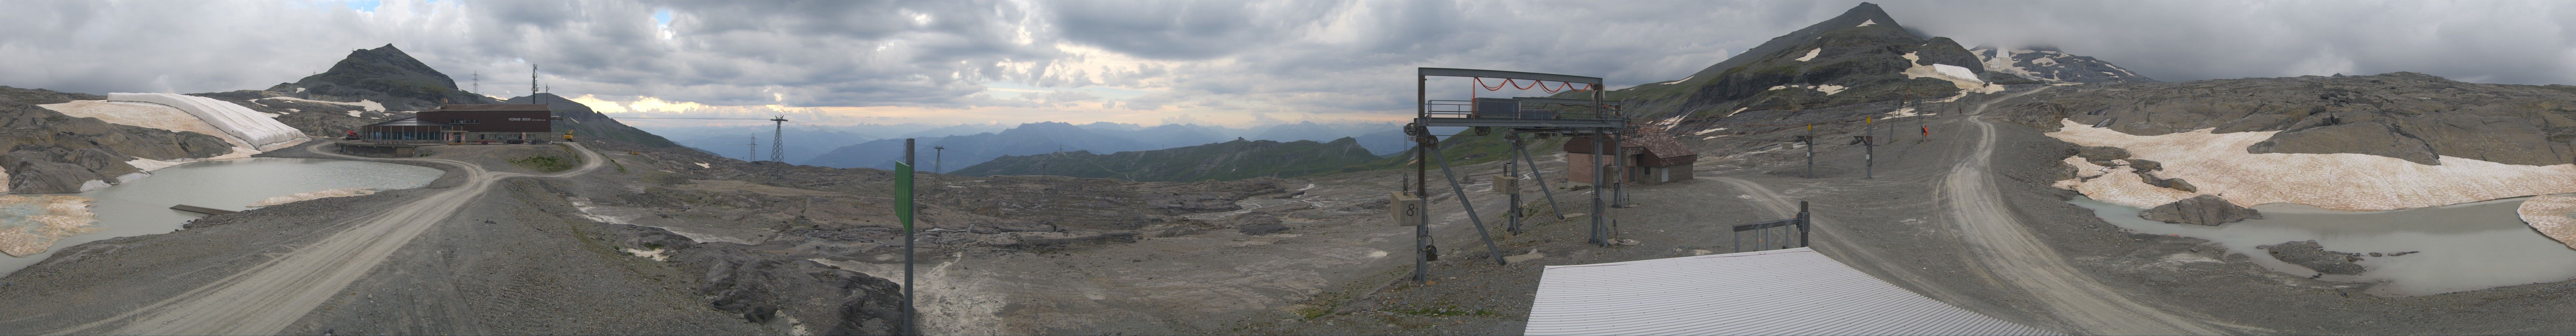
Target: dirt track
{"points": [[268, 297], [1977, 209]]}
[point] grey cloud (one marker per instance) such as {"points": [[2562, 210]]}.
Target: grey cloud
{"points": [[1225, 58], [2514, 42], [1185, 29]]}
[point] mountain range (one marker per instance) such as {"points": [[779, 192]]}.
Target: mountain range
{"points": [[1229, 160], [1097, 137]]}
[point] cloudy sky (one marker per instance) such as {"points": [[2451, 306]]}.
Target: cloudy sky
{"points": [[1183, 61]]}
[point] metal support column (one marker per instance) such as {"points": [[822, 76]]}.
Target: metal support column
{"points": [[1804, 223], [1513, 216], [1542, 180], [1618, 186], [1422, 249], [1810, 140], [1598, 186]]}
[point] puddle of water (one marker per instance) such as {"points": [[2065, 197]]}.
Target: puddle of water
{"points": [[2464, 247], [142, 207]]}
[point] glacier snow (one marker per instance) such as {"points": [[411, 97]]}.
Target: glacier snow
{"points": [[252, 127]]}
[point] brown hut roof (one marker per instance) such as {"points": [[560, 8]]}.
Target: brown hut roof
{"points": [[1660, 150]]}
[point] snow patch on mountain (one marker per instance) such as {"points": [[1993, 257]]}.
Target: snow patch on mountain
{"points": [[257, 129], [1959, 72], [1866, 23], [2053, 67], [1828, 89], [370, 105], [1811, 54], [1960, 76], [156, 116]]}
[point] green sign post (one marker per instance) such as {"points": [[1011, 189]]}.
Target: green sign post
{"points": [[903, 212]]}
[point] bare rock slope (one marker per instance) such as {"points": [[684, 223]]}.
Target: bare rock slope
{"points": [[2403, 115]]}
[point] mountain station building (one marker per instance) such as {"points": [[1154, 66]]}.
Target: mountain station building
{"points": [[453, 123]]}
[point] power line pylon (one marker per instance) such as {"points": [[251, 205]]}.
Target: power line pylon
{"points": [[778, 143]]}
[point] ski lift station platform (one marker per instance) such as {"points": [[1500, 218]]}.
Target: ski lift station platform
{"points": [[1793, 291]]}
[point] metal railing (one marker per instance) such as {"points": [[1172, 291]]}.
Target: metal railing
{"points": [[1777, 234], [1467, 109]]}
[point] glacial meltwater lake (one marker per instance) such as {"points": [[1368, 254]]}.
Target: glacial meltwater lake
{"points": [[142, 207], [2463, 247]]}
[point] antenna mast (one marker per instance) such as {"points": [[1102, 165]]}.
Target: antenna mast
{"points": [[750, 148]]}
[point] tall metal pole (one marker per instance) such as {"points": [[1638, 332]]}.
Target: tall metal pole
{"points": [[1619, 185], [1599, 184], [1869, 151], [1542, 182], [778, 146], [1514, 175], [1421, 164], [1803, 223], [1597, 178], [903, 209], [1811, 150]]}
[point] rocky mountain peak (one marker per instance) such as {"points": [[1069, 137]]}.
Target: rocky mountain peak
{"points": [[1861, 56], [385, 75]]}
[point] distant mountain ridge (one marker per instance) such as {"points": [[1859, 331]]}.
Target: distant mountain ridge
{"points": [[1231, 160], [586, 123], [965, 150], [1096, 137]]}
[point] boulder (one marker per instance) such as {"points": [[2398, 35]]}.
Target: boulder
{"points": [[2315, 257], [1262, 229], [2171, 183], [2142, 165], [2101, 154], [2178, 184], [2203, 210], [761, 287]]}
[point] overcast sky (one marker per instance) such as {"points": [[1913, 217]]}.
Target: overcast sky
{"points": [[1184, 61]]}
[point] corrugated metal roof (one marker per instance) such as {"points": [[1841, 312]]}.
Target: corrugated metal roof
{"points": [[408, 122], [1778, 292]]}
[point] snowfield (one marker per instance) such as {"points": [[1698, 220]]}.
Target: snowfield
{"points": [[2217, 164], [1959, 72], [156, 116], [47, 218], [257, 129], [307, 196], [1960, 76], [2553, 216]]}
